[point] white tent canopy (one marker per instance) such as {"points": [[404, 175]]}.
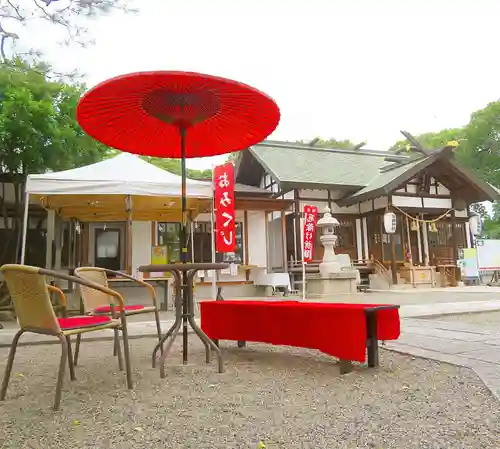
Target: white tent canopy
{"points": [[125, 174]]}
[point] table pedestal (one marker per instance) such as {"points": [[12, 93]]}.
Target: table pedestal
{"points": [[184, 275]]}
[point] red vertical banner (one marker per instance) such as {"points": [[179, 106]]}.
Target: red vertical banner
{"points": [[225, 228], [310, 217]]}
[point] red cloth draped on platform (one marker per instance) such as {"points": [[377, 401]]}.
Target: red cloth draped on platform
{"points": [[335, 329]]}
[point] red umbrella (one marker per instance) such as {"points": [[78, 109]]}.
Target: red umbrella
{"points": [[145, 113], [177, 115]]}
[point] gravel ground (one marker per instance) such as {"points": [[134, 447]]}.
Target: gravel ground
{"points": [[489, 319], [286, 397]]}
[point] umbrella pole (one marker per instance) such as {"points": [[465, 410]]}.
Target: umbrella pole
{"points": [[184, 250]]}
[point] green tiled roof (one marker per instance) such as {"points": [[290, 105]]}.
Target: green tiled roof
{"points": [[385, 178], [306, 166]]}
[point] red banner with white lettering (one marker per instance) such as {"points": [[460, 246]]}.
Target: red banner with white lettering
{"points": [[225, 235], [310, 217]]}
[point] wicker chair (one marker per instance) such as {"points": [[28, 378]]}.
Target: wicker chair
{"points": [[96, 303], [31, 298]]}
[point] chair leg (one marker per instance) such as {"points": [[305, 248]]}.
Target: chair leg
{"points": [[71, 363], [10, 362], [62, 369], [115, 353], [158, 329], [126, 351], [118, 349], [77, 349]]}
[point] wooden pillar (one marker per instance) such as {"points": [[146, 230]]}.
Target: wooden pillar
{"points": [[359, 240], [245, 244], [366, 246], [394, 267], [49, 238], [268, 261], [454, 243], [85, 241], [425, 238], [245, 237], [58, 236], [284, 240], [128, 233]]}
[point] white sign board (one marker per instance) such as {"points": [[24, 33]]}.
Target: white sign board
{"points": [[488, 254]]}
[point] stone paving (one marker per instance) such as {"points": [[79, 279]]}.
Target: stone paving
{"points": [[472, 346]]}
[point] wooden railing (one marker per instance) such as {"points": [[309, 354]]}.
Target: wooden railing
{"points": [[382, 270]]}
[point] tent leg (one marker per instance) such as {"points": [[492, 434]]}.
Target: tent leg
{"points": [[25, 227]]}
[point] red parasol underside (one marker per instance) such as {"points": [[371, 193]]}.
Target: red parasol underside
{"points": [[143, 112]]}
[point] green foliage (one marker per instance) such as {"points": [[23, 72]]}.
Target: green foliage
{"points": [[38, 133], [38, 130], [491, 225], [481, 149], [174, 166]]}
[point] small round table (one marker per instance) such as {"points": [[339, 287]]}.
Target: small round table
{"points": [[183, 274]]}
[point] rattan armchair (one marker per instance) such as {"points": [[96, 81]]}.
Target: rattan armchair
{"points": [[96, 303], [35, 313]]}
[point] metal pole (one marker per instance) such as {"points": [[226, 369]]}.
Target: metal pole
{"points": [[191, 230], [303, 280], [25, 227], [184, 250], [212, 238]]}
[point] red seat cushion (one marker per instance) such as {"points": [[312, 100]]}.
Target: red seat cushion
{"points": [[77, 322], [107, 309]]}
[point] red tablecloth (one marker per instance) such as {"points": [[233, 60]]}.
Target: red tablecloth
{"points": [[335, 329]]}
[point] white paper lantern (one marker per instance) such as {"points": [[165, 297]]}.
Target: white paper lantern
{"points": [[390, 222], [475, 225]]}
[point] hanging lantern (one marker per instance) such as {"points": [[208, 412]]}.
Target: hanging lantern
{"points": [[390, 222], [433, 227], [475, 225], [414, 225]]}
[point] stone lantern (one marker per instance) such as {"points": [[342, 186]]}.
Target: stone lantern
{"points": [[327, 225]]}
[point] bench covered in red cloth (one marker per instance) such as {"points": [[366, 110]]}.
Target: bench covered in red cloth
{"points": [[341, 330]]}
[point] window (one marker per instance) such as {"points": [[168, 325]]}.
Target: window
{"points": [[169, 236]]}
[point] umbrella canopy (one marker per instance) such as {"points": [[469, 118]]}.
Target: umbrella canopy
{"points": [[143, 112]]}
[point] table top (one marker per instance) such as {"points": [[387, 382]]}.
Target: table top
{"points": [[157, 279], [182, 267]]}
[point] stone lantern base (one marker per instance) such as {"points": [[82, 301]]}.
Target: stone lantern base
{"points": [[328, 288]]}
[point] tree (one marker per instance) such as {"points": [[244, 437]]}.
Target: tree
{"points": [[481, 149], [71, 16], [174, 166], [38, 133]]}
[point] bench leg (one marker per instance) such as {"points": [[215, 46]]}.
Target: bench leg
{"points": [[372, 340], [345, 366], [241, 343]]}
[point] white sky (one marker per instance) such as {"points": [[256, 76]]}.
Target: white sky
{"points": [[348, 69]]}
